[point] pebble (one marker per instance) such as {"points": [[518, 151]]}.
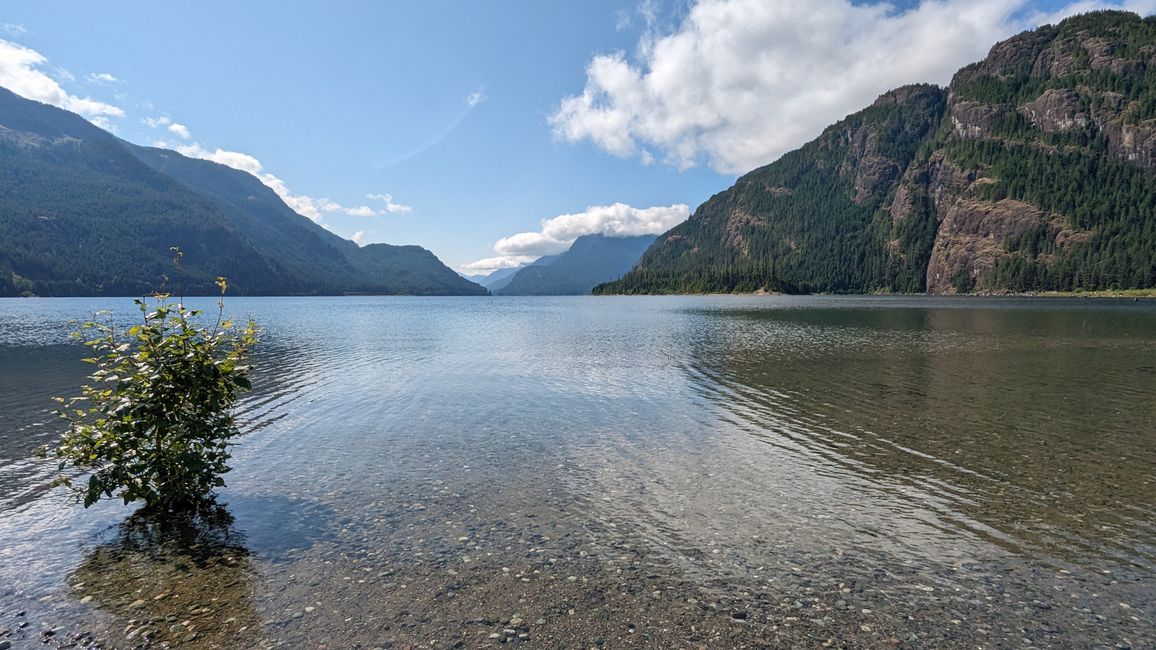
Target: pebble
{"points": [[5, 645]]}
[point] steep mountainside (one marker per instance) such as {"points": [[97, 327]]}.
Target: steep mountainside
{"points": [[590, 260], [1033, 170], [84, 213]]}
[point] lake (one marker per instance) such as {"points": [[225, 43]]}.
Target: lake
{"points": [[622, 472]]}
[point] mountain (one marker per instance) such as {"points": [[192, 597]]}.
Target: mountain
{"points": [[591, 260], [85, 213], [495, 280], [1033, 170], [499, 279]]}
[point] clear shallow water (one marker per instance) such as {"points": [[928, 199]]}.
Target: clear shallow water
{"points": [[706, 470]]}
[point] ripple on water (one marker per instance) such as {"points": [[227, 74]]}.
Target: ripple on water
{"points": [[922, 455]]}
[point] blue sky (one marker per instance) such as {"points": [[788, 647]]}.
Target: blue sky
{"points": [[482, 119]]}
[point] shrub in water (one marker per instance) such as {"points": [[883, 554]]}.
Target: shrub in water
{"points": [[156, 422]]}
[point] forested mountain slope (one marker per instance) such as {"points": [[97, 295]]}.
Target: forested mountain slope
{"points": [[1033, 170], [84, 213]]}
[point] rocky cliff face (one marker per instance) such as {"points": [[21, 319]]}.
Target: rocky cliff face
{"points": [[1056, 81], [1034, 169]]}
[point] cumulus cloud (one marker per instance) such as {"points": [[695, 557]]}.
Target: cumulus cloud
{"points": [[390, 206], [154, 122], [180, 130], [740, 82], [361, 211], [325, 205], [365, 211], [102, 78], [234, 159], [491, 264], [358, 237], [558, 233], [20, 72]]}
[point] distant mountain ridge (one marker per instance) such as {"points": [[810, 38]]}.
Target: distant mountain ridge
{"points": [[1034, 170], [85, 213], [495, 280], [590, 260]]}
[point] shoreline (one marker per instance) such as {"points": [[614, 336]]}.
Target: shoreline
{"points": [[1147, 294]]}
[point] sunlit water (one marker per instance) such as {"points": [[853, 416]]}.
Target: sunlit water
{"points": [[631, 471]]}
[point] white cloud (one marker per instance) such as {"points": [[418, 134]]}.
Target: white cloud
{"points": [[102, 78], [180, 130], [14, 29], [20, 72], [390, 206], [361, 211], [491, 264], [329, 205], [325, 205], [473, 99], [234, 159], [358, 237], [558, 233], [619, 220], [154, 122], [740, 82]]}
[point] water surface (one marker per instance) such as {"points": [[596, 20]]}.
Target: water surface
{"points": [[673, 471]]}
